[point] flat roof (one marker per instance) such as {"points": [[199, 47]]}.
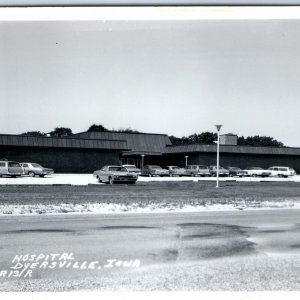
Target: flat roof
{"points": [[194, 148], [55, 142]]}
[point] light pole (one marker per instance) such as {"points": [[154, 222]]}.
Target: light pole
{"points": [[143, 155], [218, 153], [186, 160]]}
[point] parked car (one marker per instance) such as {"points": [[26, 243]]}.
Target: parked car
{"points": [[282, 171], [197, 170], [113, 174], [132, 169], [176, 171], [222, 171], [10, 168], [257, 171], [33, 169], [234, 171], [153, 170]]}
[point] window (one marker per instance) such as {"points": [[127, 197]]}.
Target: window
{"points": [[282, 169], [13, 164], [36, 165], [2, 164], [120, 169]]}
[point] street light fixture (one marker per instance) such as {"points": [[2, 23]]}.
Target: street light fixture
{"points": [[218, 153], [186, 161], [143, 155]]}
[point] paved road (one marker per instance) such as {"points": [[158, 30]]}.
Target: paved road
{"points": [[243, 250]]}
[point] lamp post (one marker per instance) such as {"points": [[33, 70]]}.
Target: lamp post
{"points": [[186, 161], [218, 153], [143, 155]]}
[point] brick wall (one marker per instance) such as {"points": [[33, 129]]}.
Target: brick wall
{"points": [[63, 160]]}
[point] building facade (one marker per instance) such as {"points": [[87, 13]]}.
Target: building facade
{"points": [[88, 151]]}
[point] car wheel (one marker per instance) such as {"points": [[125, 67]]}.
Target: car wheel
{"points": [[150, 175], [99, 179], [31, 174], [111, 181]]}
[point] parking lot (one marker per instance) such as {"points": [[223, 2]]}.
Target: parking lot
{"points": [[86, 179]]}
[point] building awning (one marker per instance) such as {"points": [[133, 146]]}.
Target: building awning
{"points": [[140, 153]]}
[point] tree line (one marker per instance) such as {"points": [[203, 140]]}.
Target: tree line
{"points": [[211, 138], [64, 131], [196, 138]]}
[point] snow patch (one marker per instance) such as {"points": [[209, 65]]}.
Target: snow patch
{"points": [[105, 208]]}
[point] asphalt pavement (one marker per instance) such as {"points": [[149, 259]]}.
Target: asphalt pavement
{"points": [[237, 251]]}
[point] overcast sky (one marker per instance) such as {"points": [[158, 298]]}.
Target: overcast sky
{"points": [[173, 77]]}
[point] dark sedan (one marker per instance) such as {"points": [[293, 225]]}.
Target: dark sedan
{"points": [[113, 174], [222, 171], [153, 170], [234, 171]]}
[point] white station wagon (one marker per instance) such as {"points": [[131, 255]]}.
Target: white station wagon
{"points": [[10, 168], [282, 171]]}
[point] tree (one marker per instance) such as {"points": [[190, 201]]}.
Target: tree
{"points": [[175, 140], [202, 138], [210, 138], [61, 132], [34, 133], [127, 130], [98, 128], [265, 141]]}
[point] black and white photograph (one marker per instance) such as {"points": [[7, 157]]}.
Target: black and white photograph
{"points": [[150, 149]]}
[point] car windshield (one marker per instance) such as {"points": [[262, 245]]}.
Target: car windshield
{"points": [[202, 167], [119, 169], [36, 165], [235, 169], [130, 167], [155, 167]]}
